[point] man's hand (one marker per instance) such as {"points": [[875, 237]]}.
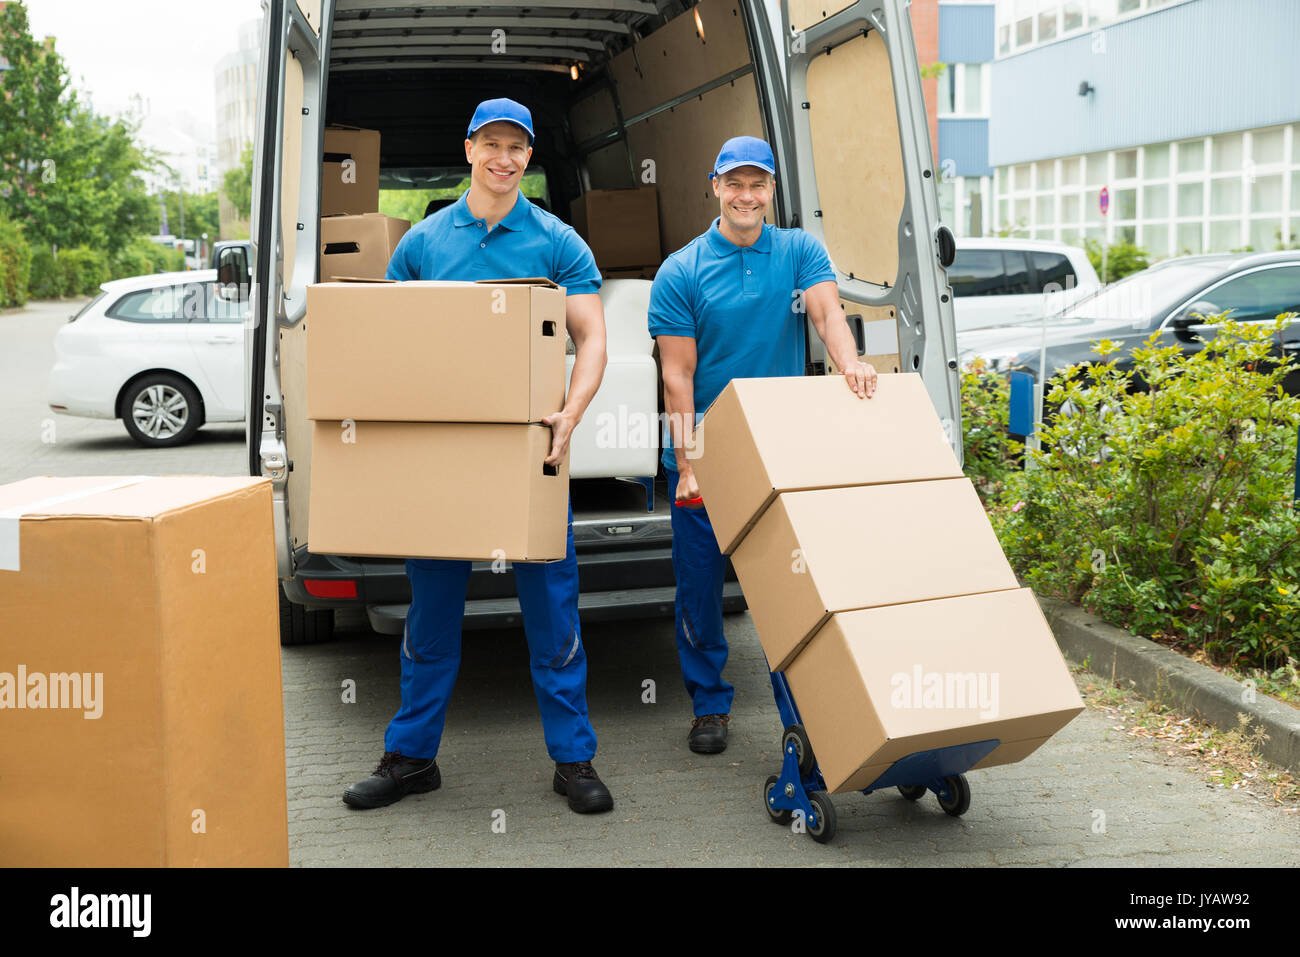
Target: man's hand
{"points": [[861, 377], [562, 424], [687, 489]]}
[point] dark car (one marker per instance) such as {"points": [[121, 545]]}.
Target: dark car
{"points": [[1169, 298]]}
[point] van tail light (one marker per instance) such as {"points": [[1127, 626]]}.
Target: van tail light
{"points": [[330, 588]]}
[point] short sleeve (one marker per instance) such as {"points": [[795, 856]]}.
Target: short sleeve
{"points": [[812, 264], [405, 263], [575, 266], [670, 311]]}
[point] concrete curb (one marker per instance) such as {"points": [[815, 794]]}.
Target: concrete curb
{"points": [[1166, 676]]}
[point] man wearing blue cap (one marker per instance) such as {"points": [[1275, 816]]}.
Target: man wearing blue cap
{"points": [[494, 232], [731, 304]]}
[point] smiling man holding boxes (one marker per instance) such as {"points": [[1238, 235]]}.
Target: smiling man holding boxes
{"points": [[494, 232]]}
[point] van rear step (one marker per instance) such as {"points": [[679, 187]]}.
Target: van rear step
{"points": [[592, 606]]}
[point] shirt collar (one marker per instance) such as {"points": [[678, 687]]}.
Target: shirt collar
{"points": [[722, 246], [514, 220]]}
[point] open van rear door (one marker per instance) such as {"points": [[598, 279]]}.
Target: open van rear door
{"points": [[284, 225], [858, 144]]}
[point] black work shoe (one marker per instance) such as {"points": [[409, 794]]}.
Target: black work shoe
{"points": [[396, 777], [578, 782], [709, 734]]}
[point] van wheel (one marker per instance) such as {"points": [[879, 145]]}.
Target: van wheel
{"points": [[161, 410], [299, 626]]}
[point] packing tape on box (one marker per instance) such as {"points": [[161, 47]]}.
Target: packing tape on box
{"points": [[11, 518]]}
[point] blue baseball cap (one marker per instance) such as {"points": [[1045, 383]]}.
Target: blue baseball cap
{"points": [[501, 110], [744, 151]]}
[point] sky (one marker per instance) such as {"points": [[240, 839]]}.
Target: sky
{"points": [[165, 50]]}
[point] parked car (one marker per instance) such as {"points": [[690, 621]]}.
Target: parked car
{"points": [[1169, 298], [1002, 282], [164, 353]]}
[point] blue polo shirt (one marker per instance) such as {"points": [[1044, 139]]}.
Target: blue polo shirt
{"points": [[453, 245], [738, 304]]}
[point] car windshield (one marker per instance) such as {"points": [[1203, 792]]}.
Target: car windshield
{"points": [[1143, 294]]}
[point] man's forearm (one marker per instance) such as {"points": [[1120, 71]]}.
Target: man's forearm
{"points": [[588, 371], [679, 402], [840, 344]]}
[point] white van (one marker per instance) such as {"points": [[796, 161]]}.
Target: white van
{"points": [[622, 92], [1009, 282]]}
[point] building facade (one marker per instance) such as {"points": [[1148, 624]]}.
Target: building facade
{"points": [[1187, 111]]}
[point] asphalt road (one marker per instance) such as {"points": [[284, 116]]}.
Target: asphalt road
{"points": [[1091, 796]]}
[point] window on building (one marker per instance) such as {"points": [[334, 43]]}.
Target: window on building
{"points": [[947, 200], [1191, 156], [1155, 239], [1126, 234], [973, 93], [1070, 208], [974, 207], [1072, 15], [1225, 236], [1265, 235], [1295, 192], [947, 87], [1096, 169], [1020, 179], [1266, 195], [1044, 211], [1124, 206], [1225, 196], [1155, 202], [1004, 38], [1128, 6], [1189, 239], [1226, 155], [1025, 32], [1267, 146], [1072, 171], [1100, 11], [1155, 161], [1047, 22], [1126, 164], [1044, 172], [1191, 199]]}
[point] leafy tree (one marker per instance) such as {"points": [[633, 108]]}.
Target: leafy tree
{"points": [[237, 184], [1122, 259], [71, 177]]}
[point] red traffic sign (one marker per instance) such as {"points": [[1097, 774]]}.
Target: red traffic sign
{"points": [[1104, 200]]}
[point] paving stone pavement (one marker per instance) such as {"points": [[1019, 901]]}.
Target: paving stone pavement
{"points": [[672, 807]]}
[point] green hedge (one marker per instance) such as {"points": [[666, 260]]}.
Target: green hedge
{"points": [[79, 271], [1169, 510], [15, 264]]}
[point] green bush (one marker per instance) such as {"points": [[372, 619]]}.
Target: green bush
{"points": [[83, 269], [1122, 259], [988, 455], [132, 259], [1169, 511], [15, 264], [47, 280]]}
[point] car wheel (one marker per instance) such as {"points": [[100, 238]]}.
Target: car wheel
{"points": [[298, 626], [161, 410]]}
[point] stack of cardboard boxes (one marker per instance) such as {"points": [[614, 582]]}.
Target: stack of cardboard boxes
{"points": [[357, 241], [874, 578], [621, 226], [140, 697], [426, 400]]}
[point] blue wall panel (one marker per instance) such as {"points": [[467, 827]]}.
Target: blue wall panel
{"points": [[966, 143], [966, 32], [1198, 68]]}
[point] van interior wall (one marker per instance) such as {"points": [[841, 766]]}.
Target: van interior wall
{"points": [[667, 143]]}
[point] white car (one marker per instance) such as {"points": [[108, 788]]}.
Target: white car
{"points": [[1003, 282], [163, 353]]}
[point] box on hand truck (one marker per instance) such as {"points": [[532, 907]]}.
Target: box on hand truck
{"points": [[902, 647]]}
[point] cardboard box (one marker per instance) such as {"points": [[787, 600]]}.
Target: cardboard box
{"points": [[167, 747], [877, 685], [435, 351], [813, 554], [358, 246], [620, 225], [349, 171], [436, 490], [762, 437]]}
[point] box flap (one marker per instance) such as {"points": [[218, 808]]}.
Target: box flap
{"points": [[524, 281]]}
